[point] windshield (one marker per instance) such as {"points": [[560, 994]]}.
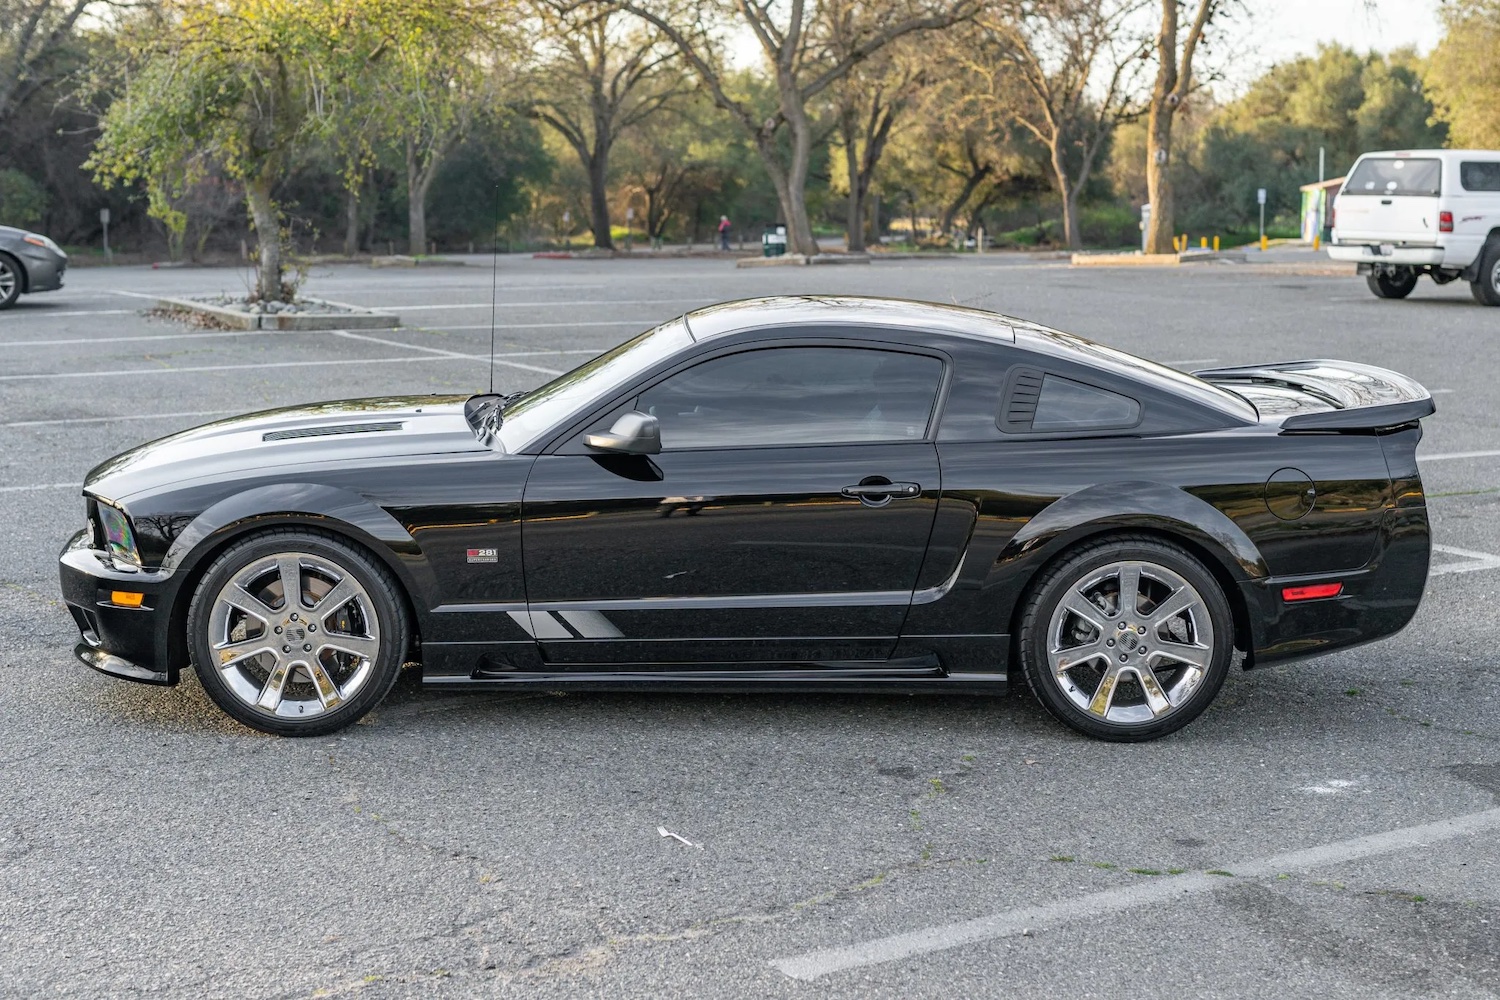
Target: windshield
{"points": [[1390, 176], [541, 410]]}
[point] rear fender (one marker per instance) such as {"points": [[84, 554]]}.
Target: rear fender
{"points": [[1156, 508]]}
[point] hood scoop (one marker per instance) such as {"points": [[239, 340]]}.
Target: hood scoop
{"points": [[329, 430]]}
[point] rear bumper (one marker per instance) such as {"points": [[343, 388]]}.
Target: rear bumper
{"points": [[131, 643], [1377, 601], [1363, 253]]}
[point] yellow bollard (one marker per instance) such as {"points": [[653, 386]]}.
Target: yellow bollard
{"points": [[1203, 243], [1317, 240], [1216, 244], [1263, 244]]}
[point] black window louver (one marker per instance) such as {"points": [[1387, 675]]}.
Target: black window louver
{"points": [[1023, 389], [330, 429]]}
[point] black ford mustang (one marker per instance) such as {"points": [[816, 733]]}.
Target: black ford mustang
{"points": [[797, 493]]}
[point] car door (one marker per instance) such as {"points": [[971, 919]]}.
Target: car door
{"points": [[784, 520]]}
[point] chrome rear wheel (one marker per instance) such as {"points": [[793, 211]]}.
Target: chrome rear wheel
{"points": [[1127, 638]]}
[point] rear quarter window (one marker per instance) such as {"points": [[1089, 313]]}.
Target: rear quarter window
{"points": [[1040, 402], [1390, 176], [1479, 175]]}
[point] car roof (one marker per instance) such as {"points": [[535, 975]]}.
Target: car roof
{"points": [[1037, 341], [728, 318]]}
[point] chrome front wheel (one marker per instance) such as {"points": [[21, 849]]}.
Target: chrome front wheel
{"points": [[296, 633]]}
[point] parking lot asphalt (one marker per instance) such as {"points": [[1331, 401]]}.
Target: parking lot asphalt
{"points": [[1327, 829]]}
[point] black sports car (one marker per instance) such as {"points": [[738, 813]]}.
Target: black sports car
{"points": [[800, 493]]}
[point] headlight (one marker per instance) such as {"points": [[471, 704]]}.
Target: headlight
{"points": [[119, 538], [38, 240]]}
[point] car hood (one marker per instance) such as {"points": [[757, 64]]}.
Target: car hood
{"points": [[351, 430]]}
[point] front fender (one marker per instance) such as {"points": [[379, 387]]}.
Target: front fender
{"points": [[314, 505]]}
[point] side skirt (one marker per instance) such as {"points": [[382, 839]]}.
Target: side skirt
{"points": [[830, 679]]}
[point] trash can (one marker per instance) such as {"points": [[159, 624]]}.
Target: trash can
{"points": [[773, 241]]}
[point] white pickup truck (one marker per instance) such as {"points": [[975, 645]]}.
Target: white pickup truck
{"points": [[1409, 212]]}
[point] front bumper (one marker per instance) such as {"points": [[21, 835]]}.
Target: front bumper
{"points": [[1364, 253], [44, 269], [128, 642]]}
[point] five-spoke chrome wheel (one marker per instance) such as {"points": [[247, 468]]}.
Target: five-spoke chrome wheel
{"points": [[1127, 638], [296, 633]]}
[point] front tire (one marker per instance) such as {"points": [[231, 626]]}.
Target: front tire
{"points": [[11, 280], [1486, 287], [296, 633], [1395, 283], [1126, 639]]}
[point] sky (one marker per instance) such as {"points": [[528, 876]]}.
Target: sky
{"points": [[1265, 32], [1272, 31]]}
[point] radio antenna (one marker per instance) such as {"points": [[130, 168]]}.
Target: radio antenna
{"points": [[494, 282]]}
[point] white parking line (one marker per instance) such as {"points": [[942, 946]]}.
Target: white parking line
{"points": [[1478, 561], [47, 314], [44, 486], [132, 372], [1447, 456], [639, 324], [206, 335], [502, 304], [450, 354], [825, 961]]}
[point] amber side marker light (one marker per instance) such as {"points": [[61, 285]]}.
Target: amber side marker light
{"points": [[126, 598], [1312, 593]]}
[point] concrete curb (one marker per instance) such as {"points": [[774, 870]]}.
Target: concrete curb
{"points": [[402, 260], [804, 260], [233, 319], [1156, 259]]}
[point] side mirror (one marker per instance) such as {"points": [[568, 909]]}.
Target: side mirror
{"points": [[635, 433]]}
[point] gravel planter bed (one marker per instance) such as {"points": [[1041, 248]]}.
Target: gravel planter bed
{"points": [[304, 314]]}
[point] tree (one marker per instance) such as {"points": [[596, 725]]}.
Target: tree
{"points": [[1063, 70], [804, 60], [35, 37], [247, 86], [870, 100], [1463, 73], [601, 76], [1174, 80]]}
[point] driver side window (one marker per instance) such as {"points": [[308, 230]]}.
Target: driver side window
{"points": [[796, 395]]}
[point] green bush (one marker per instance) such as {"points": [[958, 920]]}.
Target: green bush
{"points": [[22, 200]]}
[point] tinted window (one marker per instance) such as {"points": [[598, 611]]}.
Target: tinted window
{"points": [[796, 395], [1065, 405], [1479, 176], [1395, 176], [544, 407]]}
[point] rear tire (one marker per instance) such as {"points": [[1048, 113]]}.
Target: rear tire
{"points": [[1122, 666], [1486, 287], [11, 280], [297, 633], [1394, 284]]}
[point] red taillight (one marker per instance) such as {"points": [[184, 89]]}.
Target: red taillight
{"points": [[1312, 593], [1445, 222]]}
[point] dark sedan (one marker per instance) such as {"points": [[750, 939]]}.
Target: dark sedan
{"points": [[800, 493], [29, 262]]}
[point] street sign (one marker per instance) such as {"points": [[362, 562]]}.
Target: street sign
{"points": [[104, 216], [1260, 196], [629, 214]]}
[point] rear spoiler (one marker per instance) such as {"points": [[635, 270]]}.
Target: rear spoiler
{"points": [[1358, 397]]}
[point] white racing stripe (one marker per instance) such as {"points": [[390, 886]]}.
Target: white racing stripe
{"points": [[825, 961]]}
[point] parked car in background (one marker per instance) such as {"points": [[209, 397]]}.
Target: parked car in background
{"points": [[29, 262], [1410, 212]]}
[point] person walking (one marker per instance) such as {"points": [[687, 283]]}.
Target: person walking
{"points": [[724, 228]]}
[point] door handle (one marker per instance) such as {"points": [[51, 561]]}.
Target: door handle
{"points": [[879, 494]]}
